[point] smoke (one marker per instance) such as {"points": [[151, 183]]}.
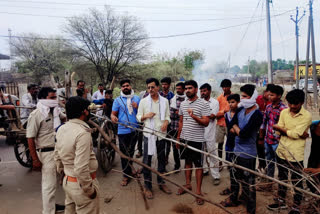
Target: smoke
{"points": [[209, 72]]}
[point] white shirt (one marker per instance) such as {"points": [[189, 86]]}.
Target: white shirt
{"points": [[144, 109], [210, 130], [98, 96], [27, 101]]}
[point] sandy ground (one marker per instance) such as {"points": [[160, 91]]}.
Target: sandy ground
{"points": [[21, 192]]}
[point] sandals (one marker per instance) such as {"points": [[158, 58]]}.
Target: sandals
{"points": [[148, 193], [228, 203], [200, 201], [125, 181], [182, 191], [226, 191]]}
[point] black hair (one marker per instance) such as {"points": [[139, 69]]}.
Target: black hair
{"points": [[277, 89], [109, 91], [150, 80], [295, 96], [75, 106], [31, 86], [235, 97], [191, 82], [44, 92], [181, 84], [225, 83], [80, 92], [207, 86], [125, 81], [166, 80], [100, 84], [269, 86], [248, 89], [80, 81]]}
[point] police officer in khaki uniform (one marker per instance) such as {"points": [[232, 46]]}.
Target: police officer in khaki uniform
{"points": [[75, 158], [42, 123]]}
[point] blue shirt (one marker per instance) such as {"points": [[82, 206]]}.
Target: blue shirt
{"points": [[249, 125], [120, 106]]}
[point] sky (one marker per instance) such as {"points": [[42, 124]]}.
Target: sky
{"points": [[237, 28]]}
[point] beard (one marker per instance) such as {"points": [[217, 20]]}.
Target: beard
{"points": [[127, 91], [190, 96]]}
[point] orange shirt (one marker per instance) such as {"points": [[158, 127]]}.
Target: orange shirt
{"points": [[223, 106]]}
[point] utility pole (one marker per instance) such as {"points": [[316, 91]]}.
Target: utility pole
{"points": [[10, 47], [313, 52], [296, 21], [248, 70], [269, 48], [307, 65]]}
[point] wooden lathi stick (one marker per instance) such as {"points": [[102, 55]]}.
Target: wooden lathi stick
{"points": [[107, 138]]}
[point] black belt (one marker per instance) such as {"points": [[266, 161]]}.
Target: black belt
{"points": [[48, 149]]}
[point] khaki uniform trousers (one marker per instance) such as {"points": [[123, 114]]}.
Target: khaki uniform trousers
{"points": [[77, 201], [48, 182]]}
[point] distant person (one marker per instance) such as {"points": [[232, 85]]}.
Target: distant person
{"points": [[28, 100], [100, 93], [174, 116], [209, 133], [86, 94], [108, 102], [194, 117], [124, 111], [154, 112], [221, 130], [293, 125]]}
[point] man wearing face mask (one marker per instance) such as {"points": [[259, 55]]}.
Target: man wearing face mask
{"points": [[75, 158], [42, 123], [124, 111], [247, 123]]}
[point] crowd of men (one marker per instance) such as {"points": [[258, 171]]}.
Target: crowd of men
{"points": [[249, 126]]}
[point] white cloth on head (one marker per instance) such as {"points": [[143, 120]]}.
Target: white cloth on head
{"points": [[44, 106], [129, 97], [174, 100], [152, 139], [248, 103]]}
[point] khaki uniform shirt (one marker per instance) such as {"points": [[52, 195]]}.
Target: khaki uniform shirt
{"points": [[74, 153], [41, 129]]}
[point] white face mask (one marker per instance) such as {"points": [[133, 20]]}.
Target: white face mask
{"points": [[248, 103]]}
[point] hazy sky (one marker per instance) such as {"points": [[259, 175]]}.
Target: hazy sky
{"points": [[206, 15]]}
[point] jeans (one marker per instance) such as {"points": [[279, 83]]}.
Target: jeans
{"points": [[246, 179], [168, 143], [161, 145], [127, 143], [270, 150], [140, 139], [295, 179], [261, 154], [176, 152]]}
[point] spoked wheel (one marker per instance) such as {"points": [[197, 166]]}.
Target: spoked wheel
{"points": [[22, 153], [106, 153]]}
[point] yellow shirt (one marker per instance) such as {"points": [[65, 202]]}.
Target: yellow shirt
{"points": [[291, 147]]}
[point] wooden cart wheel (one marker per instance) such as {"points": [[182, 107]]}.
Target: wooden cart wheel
{"points": [[22, 153], [106, 153]]}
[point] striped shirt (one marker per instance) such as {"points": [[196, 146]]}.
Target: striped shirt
{"points": [[191, 130]]}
